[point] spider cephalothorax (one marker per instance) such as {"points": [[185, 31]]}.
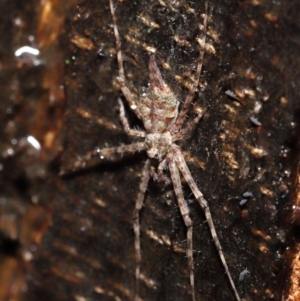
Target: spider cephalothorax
{"points": [[158, 144]]}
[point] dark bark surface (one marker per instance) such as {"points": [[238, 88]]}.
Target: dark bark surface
{"points": [[87, 253]]}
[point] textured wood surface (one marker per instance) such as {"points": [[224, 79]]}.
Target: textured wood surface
{"points": [[87, 251]]}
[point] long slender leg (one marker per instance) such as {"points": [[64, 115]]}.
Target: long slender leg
{"points": [[182, 114], [136, 224], [121, 78], [125, 123], [101, 153], [188, 223], [189, 127], [199, 196]]}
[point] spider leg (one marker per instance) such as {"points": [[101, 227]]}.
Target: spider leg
{"points": [[182, 114], [125, 123], [189, 127], [136, 223], [179, 159], [185, 215], [121, 77], [101, 153]]}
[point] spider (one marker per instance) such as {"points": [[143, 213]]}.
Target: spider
{"points": [[157, 107]]}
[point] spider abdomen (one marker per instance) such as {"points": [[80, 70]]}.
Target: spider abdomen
{"points": [[158, 111]]}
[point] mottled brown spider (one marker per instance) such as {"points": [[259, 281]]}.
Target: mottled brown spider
{"points": [[158, 110]]}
